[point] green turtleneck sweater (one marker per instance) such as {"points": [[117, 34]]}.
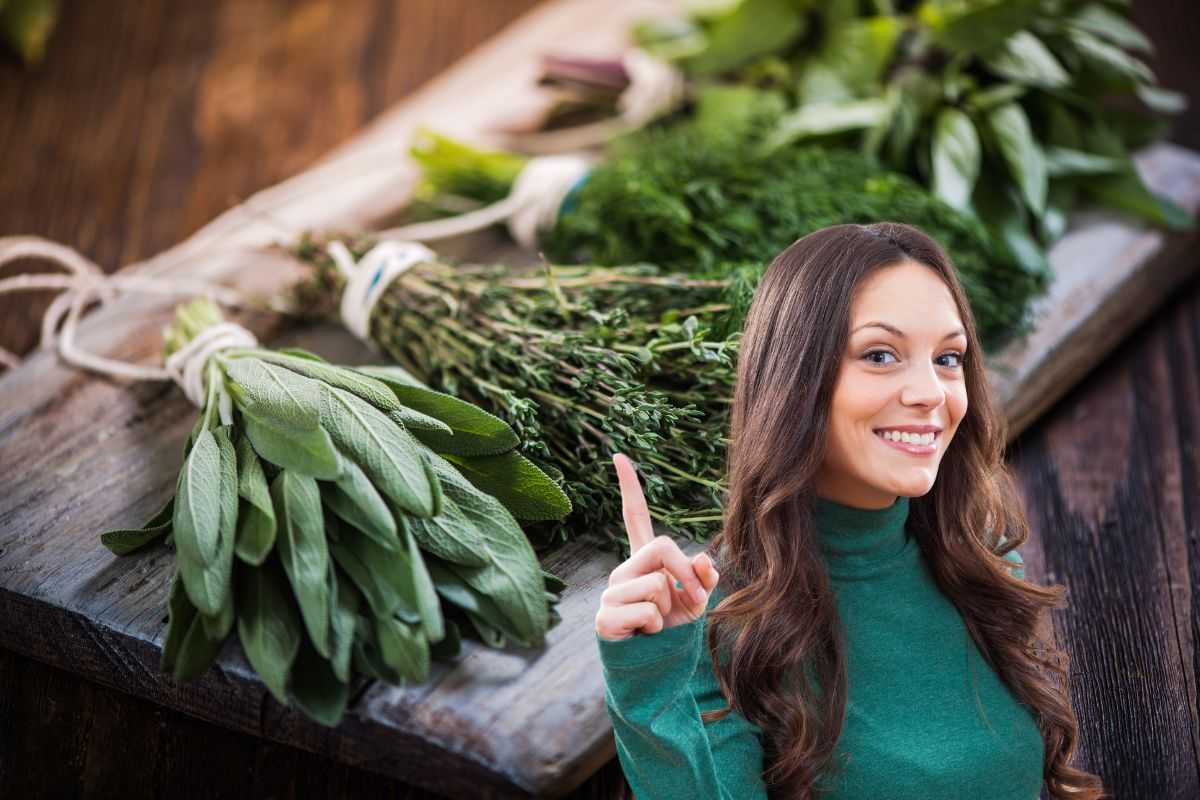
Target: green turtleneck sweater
{"points": [[926, 717]]}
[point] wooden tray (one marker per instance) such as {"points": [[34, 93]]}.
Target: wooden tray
{"points": [[80, 454]]}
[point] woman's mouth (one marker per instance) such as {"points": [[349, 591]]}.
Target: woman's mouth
{"points": [[917, 444]]}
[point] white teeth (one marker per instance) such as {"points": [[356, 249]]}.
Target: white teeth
{"points": [[911, 438]]}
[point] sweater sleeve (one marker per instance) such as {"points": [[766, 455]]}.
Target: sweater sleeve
{"points": [[1015, 557], [656, 685]]}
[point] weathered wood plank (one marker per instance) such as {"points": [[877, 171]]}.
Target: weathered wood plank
{"points": [[79, 454]]}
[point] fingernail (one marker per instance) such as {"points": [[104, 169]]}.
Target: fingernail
{"points": [[700, 595]]}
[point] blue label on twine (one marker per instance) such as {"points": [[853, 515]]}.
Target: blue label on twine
{"points": [[568, 203]]}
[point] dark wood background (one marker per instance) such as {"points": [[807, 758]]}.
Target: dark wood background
{"points": [[150, 118]]}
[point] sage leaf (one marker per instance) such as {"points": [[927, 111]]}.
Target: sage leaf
{"points": [[414, 421], [526, 491], [304, 551], [450, 645], [385, 451], [403, 648], [366, 657], [474, 431], [219, 572], [355, 499], [256, 520], [270, 392], [489, 634], [316, 688], [344, 602], [425, 593], [126, 540], [269, 626], [384, 577], [307, 451], [196, 523], [187, 652], [345, 378]]}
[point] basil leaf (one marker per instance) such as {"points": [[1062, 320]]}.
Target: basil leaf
{"points": [[256, 521], [304, 551], [1024, 157], [956, 158], [385, 451], [269, 626]]}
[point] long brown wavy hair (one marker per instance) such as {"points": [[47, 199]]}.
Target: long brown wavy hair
{"points": [[785, 669]]}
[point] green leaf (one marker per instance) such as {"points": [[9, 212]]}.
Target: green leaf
{"points": [[994, 96], [269, 626], [384, 450], [956, 158], [414, 421], [999, 206], [366, 657], [385, 577], [749, 30], [514, 480], [355, 499], [1164, 101], [126, 540], [299, 352], [316, 688], [1023, 58], [1110, 60], [1021, 153], [256, 520], [197, 522], [344, 615], [512, 576], [976, 27], [475, 431], [403, 647], [273, 394], [304, 551], [307, 451], [345, 378], [424, 591], [219, 574], [1066, 161], [1126, 191], [1111, 26], [851, 62], [450, 645], [821, 119], [187, 652]]}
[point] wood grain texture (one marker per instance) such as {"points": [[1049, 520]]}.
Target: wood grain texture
{"points": [[483, 726], [1111, 480]]}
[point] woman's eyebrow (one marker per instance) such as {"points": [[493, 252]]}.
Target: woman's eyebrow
{"points": [[893, 329]]}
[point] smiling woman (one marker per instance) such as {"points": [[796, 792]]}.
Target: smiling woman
{"points": [[871, 635]]}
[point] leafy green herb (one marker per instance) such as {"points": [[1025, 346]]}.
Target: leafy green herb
{"points": [[295, 521]]}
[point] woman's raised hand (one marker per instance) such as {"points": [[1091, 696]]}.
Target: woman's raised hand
{"points": [[641, 593]]}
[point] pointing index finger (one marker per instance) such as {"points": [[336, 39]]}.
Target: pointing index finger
{"points": [[633, 504]]}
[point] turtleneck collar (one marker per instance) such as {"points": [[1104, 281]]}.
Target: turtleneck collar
{"points": [[860, 541]]}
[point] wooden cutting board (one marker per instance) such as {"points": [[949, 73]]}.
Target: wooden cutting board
{"points": [[81, 454]]}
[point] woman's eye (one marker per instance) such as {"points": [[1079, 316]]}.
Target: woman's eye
{"points": [[868, 355], [958, 364]]}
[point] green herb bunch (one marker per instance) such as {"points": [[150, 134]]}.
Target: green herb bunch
{"points": [[582, 362], [703, 199], [332, 515], [1013, 110]]}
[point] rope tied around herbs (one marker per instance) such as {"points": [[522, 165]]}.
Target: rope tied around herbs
{"points": [[87, 283], [531, 206], [367, 280]]}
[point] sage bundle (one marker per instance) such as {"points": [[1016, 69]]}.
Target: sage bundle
{"points": [[344, 520]]}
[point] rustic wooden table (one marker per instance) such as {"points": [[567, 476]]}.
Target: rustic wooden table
{"points": [[150, 119]]}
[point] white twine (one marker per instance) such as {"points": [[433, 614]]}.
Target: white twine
{"points": [[186, 366], [531, 206], [655, 88], [367, 280], [88, 283]]}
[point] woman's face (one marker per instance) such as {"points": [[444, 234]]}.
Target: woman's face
{"points": [[903, 368]]}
